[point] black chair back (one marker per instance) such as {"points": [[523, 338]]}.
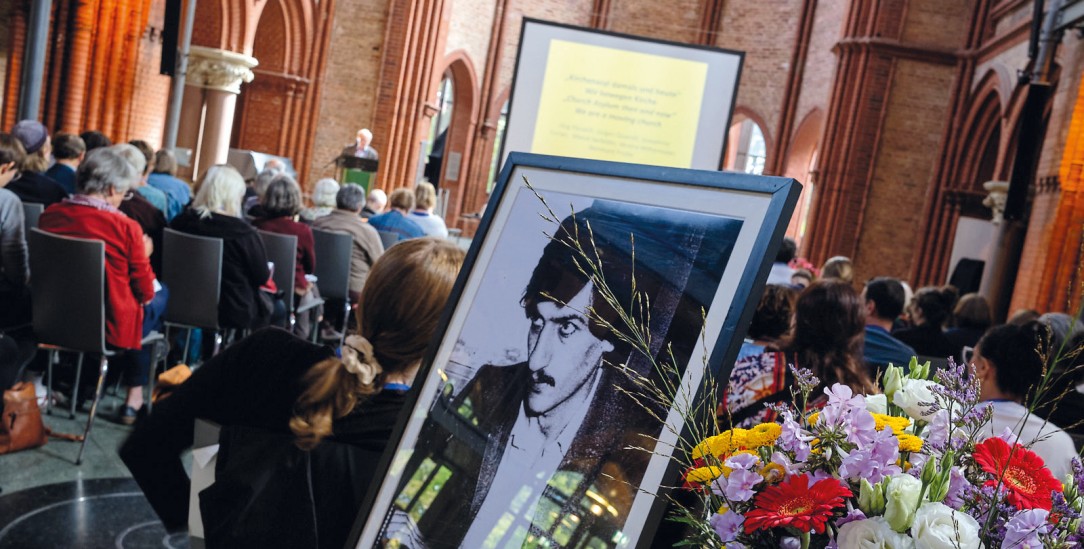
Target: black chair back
{"points": [[282, 251], [192, 270], [333, 253], [31, 214], [68, 292], [388, 238]]}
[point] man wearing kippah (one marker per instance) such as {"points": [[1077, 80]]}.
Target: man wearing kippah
{"points": [[32, 185]]}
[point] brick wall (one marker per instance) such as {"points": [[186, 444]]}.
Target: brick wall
{"points": [[350, 83], [916, 110], [820, 67], [766, 31], [470, 28], [5, 43], [676, 20], [150, 97]]}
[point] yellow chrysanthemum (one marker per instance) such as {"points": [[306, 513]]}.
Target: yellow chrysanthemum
{"points": [[705, 474], [721, 444], [909, 443], [898, 424], [773, 472], [763, 434], [812, 419]]}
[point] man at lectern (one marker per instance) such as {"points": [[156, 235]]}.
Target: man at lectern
{"points": [[361, 147]]}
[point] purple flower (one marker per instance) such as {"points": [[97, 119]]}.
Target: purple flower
{"points": [[740, 483], [1024, 528], [1008, 436], [841, 400], [789, 467], [859, 426], [790, 542], [727, 525], [742, 461], [958, 489], [851, 516], [793, 438]]}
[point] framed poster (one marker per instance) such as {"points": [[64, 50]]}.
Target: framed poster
{"points": [[524, 428], [587, 93]]}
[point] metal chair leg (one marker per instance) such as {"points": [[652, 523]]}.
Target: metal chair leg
{"points": [[75, 388], [346, 322], [218, 342], [187, 342], [103, 368], [49, 388]]}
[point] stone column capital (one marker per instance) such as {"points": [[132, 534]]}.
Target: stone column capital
{"points": [[999, 193], [217, 69]]}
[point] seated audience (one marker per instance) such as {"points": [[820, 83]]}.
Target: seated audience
{"points": [[929, 311], [95, 139], [253, 200], [33, 185], [14, 260], [802, 278], [164, 178], [68, 150], [136, 206], [1023, 316], [102, 181], [1063, 403], [323, 200], [367, 247], [154, 196], [397, 219], [826, 339], [771, 321], [281, 203], [781, 272], [1010, 369], [838, 268], [342, 411], [884, 298], [425, 199], [216, 213], [971, 319], [375, 203]]}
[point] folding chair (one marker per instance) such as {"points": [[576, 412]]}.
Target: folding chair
{"points": [[388, 238], [192, 270], [333, 254], [282, 251], [69, 308], [31, 213]]}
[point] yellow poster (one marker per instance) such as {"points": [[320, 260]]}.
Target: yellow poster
{"points": [[610, 104]]}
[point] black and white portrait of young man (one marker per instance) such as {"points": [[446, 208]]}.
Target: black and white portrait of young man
{"points": [[534, 440]]}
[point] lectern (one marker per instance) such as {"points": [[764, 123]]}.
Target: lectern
{"points": [[359, 171]]}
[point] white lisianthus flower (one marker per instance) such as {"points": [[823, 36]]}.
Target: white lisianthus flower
{"points": [[913, 392], [901, 500], [877, 404], [873, 533], [938, 526]]}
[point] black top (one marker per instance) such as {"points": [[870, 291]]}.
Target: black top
{"points": [[150, 219], [64, 175], [928, 341], [37, 188], [253, 384], [244, 266]]}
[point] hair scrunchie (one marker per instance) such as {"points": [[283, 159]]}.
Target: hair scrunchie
{"points": [[358, 359]]}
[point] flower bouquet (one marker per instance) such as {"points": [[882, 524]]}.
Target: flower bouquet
{"points": [[907, 468]]}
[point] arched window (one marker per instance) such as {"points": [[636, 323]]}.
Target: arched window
{"points": [[498, 139], [746, 148], [438, 130]]}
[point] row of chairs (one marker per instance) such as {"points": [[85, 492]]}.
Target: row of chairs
{"points": [[69, 311]]}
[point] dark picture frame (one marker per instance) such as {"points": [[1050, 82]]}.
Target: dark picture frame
{"points": [[496, 403]]}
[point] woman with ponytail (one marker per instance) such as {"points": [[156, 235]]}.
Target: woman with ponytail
{"points": [[930, 311], [280, 384]]}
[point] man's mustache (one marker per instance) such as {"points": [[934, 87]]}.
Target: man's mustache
{"points": [[542, 378]]}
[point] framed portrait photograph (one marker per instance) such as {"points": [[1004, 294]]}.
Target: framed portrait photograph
{"points": [[526, 428]]}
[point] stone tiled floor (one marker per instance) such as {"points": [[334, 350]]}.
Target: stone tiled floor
{"points": [[48, 501]]}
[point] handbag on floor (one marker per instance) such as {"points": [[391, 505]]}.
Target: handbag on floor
{"points": [[21, 426]]}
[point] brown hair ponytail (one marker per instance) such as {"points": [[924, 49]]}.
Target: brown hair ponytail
{"points": [[398, 313]]}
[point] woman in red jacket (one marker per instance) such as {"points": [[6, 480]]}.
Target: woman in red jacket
{"points": [[101, 183]]}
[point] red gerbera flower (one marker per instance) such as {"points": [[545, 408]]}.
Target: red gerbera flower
{"points": [[796, 504], [1021, 472]]}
